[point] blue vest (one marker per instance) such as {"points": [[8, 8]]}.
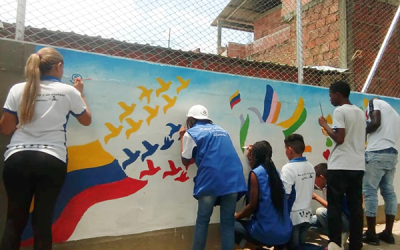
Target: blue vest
{"points": [[266, 226], [219, 169]]}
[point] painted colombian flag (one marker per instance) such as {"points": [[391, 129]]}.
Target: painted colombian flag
{"points": [[93, 176], [235, 99]]}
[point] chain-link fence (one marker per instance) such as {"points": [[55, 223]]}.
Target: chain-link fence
{"points": [[260, 38]]}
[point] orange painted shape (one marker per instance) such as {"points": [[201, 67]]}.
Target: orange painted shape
{"points": [[276, 115]]}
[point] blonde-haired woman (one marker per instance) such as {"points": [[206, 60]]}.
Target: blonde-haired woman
{"points": [[36, 114]]}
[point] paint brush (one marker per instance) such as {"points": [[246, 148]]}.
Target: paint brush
{"points": [[322, 113]]}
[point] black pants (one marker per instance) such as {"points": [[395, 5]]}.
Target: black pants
{"points": [[28, 174], [347, 182]]}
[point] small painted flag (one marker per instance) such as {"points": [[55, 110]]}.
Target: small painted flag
{"points": [[235, 99]]}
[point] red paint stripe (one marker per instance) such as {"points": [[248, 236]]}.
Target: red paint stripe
{"points": [[76, 208], [235, 102]]}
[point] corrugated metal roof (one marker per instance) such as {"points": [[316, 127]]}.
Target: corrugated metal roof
{"points": [[241, 14]]}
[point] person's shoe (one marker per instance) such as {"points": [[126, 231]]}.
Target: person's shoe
{"points": [[386, 237], [369, 238]]}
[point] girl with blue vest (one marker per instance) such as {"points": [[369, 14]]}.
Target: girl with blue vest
{"points": [[269, 222], [219, 178]]}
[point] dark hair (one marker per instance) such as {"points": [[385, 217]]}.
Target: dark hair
{"points": [[190, 121], [341, 87], [321, 169], [262, 152], [296, 142]]}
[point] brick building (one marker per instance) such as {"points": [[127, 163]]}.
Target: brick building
{"points": [[336, 33]]}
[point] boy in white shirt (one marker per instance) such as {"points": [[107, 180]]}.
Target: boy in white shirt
{"points": [[346, 165], [298, 177]]}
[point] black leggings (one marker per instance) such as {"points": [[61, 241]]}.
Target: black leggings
{"points": [[29, 174]]}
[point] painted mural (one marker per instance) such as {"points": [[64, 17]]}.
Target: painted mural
{"points": [[124, 171]]}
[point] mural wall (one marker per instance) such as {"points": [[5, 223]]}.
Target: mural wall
{"points": [[124, 171]]}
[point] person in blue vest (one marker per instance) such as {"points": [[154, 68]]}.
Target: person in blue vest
{"points": [[219, 179], [267, 207]]}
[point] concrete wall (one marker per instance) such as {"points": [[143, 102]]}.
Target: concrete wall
{"points": [[149, 204], [12, 61]]}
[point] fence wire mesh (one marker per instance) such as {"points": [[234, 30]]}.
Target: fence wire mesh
{"points": [[340, 39]]}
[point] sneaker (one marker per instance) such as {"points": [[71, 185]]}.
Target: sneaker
{"points": [[333, 246], [386, 237], [369, 238]]}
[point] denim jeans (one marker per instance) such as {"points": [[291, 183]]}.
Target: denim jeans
{"points": [[320, 221], [227, 221], [380, 168]]}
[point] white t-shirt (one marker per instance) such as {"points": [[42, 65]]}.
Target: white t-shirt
{"points": [[350, 154], [188, 145], [300, 174], [47, 131], [387, 134]]}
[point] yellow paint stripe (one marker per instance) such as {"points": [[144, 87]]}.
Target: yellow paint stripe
{"points": [[90, 155], [296, 115], [234, 95]]}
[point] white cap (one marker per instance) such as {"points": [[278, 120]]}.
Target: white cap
{"points": [[198, 112]]}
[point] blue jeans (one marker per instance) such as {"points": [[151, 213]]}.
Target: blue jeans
{"points": [[379, 173], [227, 221], [320, 221]]}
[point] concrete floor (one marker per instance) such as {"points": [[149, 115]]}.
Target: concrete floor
{"points": [[181, 239]]}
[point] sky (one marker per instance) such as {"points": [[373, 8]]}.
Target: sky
{"points": [[140, 21]]}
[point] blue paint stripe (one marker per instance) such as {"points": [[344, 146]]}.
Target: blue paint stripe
{"points": [[235, 98], [267, 102], [78, 181]]}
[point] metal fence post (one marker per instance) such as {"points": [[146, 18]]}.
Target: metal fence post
{"points": [[20, 27]]}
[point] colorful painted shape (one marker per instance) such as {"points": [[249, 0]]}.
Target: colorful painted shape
{"points": [[167, 143], [164, 86], [243, 132], [94, 155], [234, 99], [151, 149], [174, 128], [308, 149], [329, 142], [295, 117], [132, 157], [329, 119], [297, 124], [145, 93], [170, 102], [326, 154], [152, 113], [257, 112], [366, 102], [128, 110], [85, 186], [66, 223], [135, 126], [114, 131], [184, 84], [173, 170], [269, 93], [151, 169], [183, 177]]}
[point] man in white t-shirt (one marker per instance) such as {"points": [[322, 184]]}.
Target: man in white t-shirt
{"points": [[345, 165], [380, 166], [298, 177]]}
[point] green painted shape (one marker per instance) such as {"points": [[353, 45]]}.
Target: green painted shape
{"points": [[329, 142], [297, 124], [243, 132]]}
